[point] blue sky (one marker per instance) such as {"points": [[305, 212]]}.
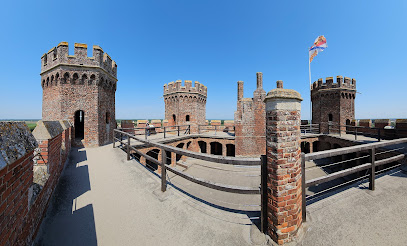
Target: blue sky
{"points": [[214, 42]]}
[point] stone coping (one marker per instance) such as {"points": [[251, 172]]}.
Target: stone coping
{"points": [[65, 124], [16, 141], [280, 93], [382, 121], [47, 130]]}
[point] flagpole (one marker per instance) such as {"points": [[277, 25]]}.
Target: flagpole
{"points": [[310, 101]]}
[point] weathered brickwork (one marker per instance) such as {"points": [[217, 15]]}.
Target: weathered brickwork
{"points": [[250, 121], [283, 109], [24, 200], [80, 83], [334, 102], [185, 105]]}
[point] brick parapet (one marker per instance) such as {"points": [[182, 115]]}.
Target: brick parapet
{"points": [[173, 88], [59, 55], [283, 120], [340, 83]]}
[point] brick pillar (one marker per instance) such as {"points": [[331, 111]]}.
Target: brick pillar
{"points": [[283, 119], [311, 147]]}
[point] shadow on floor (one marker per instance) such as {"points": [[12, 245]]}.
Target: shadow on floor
{"points": [[65, 223]]}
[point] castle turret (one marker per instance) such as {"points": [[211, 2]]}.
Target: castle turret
{"points": [[185, 104], [80, 89], [333, 102]]}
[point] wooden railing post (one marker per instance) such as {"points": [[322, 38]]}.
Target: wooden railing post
{"points": [[163, 170], [164, 131], [373, 169], [356, 133], [121, 139], [263, 192], [178, 130], [145, 132], [304, 202], [329, 125], [215, 129], [128, 148], [378, 134], [114, 138]]}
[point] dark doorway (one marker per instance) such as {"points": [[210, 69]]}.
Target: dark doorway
{"points": [[202, 146], [348, 126], [174, 118], [79, 124], [216, 148], [152, 165], [187, 118], [230, 150], [178, 156], [330, 117]]}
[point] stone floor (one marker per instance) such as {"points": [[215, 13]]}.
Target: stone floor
{"points": [[102, 199]]}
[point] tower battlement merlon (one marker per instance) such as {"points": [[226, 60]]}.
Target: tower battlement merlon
{"points": [[330, 83], [59, 55], [177, 87]]}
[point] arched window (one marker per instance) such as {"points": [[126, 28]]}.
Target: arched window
{"points": [[47, 81], [84, 79], [107, 117], [45, 59], [66, 78], [55, 54], [75, 78], [174, 118], [43, 83], [56, 79], [330, 117], [52, 79], [92, 79], [187, 118]]}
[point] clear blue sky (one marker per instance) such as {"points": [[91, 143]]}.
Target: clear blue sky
{"points": [[214, 42]]}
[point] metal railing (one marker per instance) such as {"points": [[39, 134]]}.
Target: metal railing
{"points": [[215, 128], [370, 165], [334, 128], [147, 131], [310, 129], [164, 167]]}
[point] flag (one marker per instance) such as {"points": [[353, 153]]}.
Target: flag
{"points": [[319, 45]]}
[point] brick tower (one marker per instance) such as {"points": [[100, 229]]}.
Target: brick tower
{"points": [[333, 102], [80, 89], [250, 121], [185, 105]]}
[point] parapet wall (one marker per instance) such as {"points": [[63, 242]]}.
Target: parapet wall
{"points": [[198, 88], [344, 83], [25, 187], [60, 55]]}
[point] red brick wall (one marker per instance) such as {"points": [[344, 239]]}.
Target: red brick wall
{"points": [[19, 220], [250, 122], [15, 180]]}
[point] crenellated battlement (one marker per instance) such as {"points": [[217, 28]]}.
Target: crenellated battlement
{"points": [[177, 87], [330, 83], [59, 55]]}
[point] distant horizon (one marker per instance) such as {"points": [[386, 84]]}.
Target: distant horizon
{"points": [[206, 119]]}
